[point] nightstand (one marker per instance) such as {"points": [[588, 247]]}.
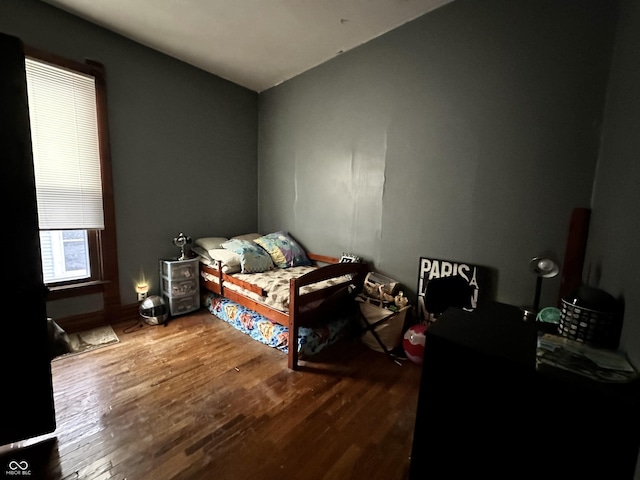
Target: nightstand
{"points": [[180, 285]]}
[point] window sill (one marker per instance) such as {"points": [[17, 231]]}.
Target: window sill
{"points": [[76, 289]]}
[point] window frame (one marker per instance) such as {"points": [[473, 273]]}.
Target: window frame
{"points": [[95, 263], [102, 243]]}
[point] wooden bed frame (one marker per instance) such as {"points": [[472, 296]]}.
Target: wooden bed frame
{"points": [[304, 310]]}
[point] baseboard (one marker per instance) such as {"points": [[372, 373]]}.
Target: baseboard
{"points": [[86, 321]]}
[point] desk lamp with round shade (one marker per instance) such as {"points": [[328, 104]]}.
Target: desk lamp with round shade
{"points": [[541, 267]]}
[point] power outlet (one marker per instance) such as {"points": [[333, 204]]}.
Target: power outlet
{"points": [[142, 296]]}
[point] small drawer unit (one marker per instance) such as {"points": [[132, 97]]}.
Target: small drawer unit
{"points": [[180, 285]]}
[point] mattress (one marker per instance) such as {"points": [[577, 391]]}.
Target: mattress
{"points": [[275, 283]]}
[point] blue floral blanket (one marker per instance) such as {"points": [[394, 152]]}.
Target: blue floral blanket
{"points": [[310, 340]]}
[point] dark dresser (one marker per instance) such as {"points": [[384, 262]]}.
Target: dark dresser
{"points": [[485, 411]]}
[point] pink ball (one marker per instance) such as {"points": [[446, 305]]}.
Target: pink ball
{"points": [[413, 343]]}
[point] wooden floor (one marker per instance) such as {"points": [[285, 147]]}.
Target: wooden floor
{"points": [[196, 399]]}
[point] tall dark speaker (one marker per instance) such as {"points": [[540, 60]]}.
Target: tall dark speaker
{"points": [[25, 366]]}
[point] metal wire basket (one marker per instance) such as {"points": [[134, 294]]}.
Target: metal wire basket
{"points": [[590, 316]]}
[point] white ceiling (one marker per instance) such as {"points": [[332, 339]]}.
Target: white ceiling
{"points": [[254, 43]]}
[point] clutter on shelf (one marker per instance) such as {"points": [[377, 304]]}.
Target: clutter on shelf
{"points": [[383, 292]]}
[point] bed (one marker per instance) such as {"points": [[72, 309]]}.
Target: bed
{"points": [[270, 288]]}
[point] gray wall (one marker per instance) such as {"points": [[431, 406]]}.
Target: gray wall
{"points": [[612, 258], [468, 134], [182, 142]]}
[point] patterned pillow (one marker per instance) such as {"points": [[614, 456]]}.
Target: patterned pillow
{"points": [[284, 250], [253, 258]]}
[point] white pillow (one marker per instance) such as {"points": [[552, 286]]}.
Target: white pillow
{"points": [[210, 243], [201, 251], [231, 261]]}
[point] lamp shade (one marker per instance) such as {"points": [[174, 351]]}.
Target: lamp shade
{"points": [[544, 267]]}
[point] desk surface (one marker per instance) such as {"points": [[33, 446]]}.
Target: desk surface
{"points": [[498, 330], [493, 328]]}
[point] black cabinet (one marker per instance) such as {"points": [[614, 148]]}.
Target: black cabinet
{"points": [[27, 394], [485, 411]]}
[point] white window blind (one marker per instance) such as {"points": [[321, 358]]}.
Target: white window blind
{"points": [[66, 154]]}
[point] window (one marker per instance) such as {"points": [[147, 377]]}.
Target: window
{"points": [[66, 158], [67, 109], [65, 255]]}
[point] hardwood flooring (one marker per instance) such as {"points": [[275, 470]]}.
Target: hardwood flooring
{"points": [[196, 399]]}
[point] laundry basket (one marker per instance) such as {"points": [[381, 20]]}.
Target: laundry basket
{"points": [[387, 324]]}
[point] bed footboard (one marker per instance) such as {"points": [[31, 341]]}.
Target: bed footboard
{"points": [[315, 306]]}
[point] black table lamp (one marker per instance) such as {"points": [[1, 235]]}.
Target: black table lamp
{"points": [[541, 267]]}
